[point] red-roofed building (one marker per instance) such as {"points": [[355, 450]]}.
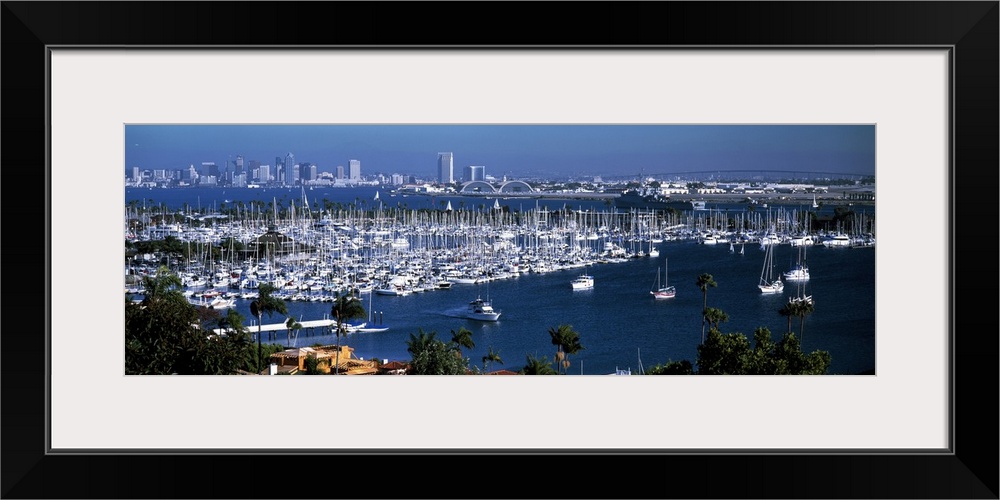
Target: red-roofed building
{"points": [[394, 368]]}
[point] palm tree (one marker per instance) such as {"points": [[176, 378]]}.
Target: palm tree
{"points": [[419, 342], [535, 366], [491, 356], [160, 286], [567, 341], [269, 304], [788, 310], [714, 316], [292, 325], [705, 281], [232, 322], [462, 338], [345, 307], [806, 307]]}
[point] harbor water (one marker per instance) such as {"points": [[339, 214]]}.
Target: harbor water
{"points": [[620, 324]]}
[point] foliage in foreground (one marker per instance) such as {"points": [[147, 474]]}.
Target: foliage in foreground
{"points": [[165, 334]]}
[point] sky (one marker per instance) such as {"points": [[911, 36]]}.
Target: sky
{"points": [[516, 151]]}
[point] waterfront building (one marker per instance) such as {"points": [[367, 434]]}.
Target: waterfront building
{"points": [[354, 170], [190, 174], [240, 180], [307, 172], [340, 171], [475, 173], [397, 179], [209, 168], [446, 168]]}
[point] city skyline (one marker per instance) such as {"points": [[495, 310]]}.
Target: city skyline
{"points": [[512, 150]]}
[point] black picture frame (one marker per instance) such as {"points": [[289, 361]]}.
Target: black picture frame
{"points": [[969, 28]]}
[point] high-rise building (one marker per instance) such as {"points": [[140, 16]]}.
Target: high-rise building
{"points": [[340, 171], [209, 168], [475, 173], [135, 174], [238, 163], [354, 170], [307, 171], [397, 179], [446, 168], [264, 173], [289, 177]]}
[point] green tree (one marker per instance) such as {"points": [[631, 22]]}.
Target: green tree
{"points": [[537, 366], [434, 357], [265, 303], [567, 341], [312, 365], [723, 354], [291, 326], [788, 310], [345, 308], [705, 281], [164, 334], [672, 368], [491, 356], [805, 308], [730, 354], [714, 316], [419, 342], [462, 338]]}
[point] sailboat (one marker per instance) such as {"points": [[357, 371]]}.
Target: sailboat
{"points": [[815, 205], [801, 271], [653, 251], [768, 284], [666, 291]]}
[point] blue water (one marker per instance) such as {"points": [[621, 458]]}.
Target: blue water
{"points": [[618, 321]]}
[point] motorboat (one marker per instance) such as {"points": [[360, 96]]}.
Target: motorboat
{"points": [[798, 273], [482, 310], [583, 282]]}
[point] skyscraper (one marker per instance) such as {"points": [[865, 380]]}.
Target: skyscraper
{"points": [[340, 171], [354, 170], [289, 169], [446, 168]]}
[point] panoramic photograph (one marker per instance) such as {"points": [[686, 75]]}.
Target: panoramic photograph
{"points": [[469, 249]]}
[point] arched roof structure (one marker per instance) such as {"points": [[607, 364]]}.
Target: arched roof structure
{"points": [[515, 187], [478, 187]]}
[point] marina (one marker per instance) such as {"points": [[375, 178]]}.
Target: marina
{"points": [[415, 268]]}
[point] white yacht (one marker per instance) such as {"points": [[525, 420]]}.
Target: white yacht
{"points": [[583, 282], [482, 310]]}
